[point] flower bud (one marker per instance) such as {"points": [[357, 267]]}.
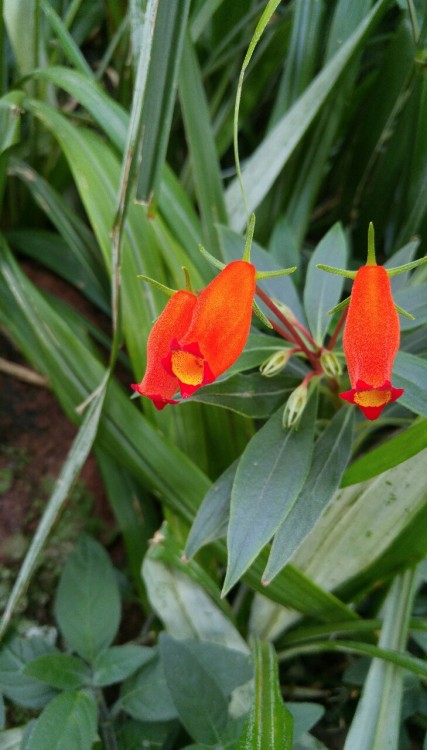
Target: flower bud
{"points": [[330, 364], [276, 363], [295, 405]]}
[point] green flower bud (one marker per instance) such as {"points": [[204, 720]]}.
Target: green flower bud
{"points": [[295, 405], [330, 364], [276, 362]]}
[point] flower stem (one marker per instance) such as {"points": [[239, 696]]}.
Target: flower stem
{"points": [[296, 338], [339, 325]]}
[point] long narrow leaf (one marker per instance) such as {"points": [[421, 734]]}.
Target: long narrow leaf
{"points": [[271, 156], [270, 724]]}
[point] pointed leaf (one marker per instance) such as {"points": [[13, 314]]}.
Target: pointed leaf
{"points": [[266, 163], [268, 479], [252, 395], [187, 677], [61, 671], [146, 696], [88, 614], [160, 94], [118, 662], [69, 721], [211, 520], [322, 290], [330, 457]]}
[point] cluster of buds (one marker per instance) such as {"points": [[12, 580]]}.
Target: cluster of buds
{"points": [[199, 336]]}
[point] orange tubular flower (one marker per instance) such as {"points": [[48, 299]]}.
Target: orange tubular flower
{"points": [[158, 384], [218, 331], [371, 340]]}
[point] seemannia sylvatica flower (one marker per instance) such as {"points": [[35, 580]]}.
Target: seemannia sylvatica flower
{"points": [[218, 329], [199, 336], [371, 341], [158, 384], [371, 334]]}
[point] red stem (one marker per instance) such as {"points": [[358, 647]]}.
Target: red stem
{"points": [[296, 338], [339, 325]]}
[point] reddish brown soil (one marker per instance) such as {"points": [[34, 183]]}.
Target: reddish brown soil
{"points": [[35, 435]]}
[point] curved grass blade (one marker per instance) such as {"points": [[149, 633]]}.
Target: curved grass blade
{"points": [[68, 45]]}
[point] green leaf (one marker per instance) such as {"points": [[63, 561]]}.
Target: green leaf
{"points": [[10, 119], [322, 290], [119, 662], [270, 723], [61, 671], [410, 373], [88, 614], [267, 162], [69, 721], [413, 300], [251, 395], [146, 696], [392, 452], [185, 597], [68, 45], [14, 682], [201, 144], [160, 94], [187, 677], [377, 720], [361, 524], [305, 716], [211, 520], [330, 457], [269, 477]]}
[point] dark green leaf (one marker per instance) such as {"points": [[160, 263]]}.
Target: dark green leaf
{"points": [[119, 662], [10, 119], [270, 724], [323, 290], [251, 395], [211, 520], [187, 676], [413, 299], [61, 671], [14, 683], [146, 696], [330, 457], [268, 479], [69, 721], [88, 614], [160, 94]]}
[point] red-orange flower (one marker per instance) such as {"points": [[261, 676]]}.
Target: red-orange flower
{"points": [[371, 340], [158, 384], [218, 330]]}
